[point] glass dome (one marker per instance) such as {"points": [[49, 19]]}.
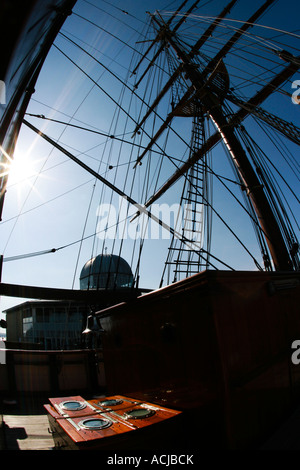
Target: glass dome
{"points": [[106, 271]]}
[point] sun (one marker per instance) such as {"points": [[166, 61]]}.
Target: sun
{"points": [[20, 169]]}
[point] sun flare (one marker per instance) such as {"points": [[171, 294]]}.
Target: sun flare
{"points": [[20, 169]]}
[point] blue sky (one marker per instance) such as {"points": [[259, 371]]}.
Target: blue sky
{"points": [[50, 211]]}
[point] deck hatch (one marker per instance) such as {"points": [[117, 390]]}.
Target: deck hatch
{"points": [[112, 402], [93, 424], [139, 413], [72, 405]]}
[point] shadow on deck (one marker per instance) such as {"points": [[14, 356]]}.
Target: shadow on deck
{"points": [[25, 425]]}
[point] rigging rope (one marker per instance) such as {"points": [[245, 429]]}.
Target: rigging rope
{"points": [[110, 138]]}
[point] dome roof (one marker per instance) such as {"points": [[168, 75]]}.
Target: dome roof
{"points": [[106, 271]]}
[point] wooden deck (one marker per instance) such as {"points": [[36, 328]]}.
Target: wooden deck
{"points": [[27, 432], [25, 424], [30, 432]]}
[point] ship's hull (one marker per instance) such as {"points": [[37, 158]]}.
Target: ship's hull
{"points": [[217, 346]]}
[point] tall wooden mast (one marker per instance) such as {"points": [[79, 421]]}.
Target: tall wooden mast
{"points": [[226, 131]]}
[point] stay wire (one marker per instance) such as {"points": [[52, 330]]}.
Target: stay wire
{"points": [[273, 193], [124, 83]]}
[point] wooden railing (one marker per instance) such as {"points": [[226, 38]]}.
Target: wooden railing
{"points": [[52, 372]]}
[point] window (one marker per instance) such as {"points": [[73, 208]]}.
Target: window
{"points": [[39, 315], [28, 327]]}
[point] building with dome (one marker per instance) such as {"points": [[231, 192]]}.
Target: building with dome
{"points": [[106, 271], [59, 324]]}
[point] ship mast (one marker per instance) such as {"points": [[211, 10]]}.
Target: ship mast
{"points": [[212, 104]]}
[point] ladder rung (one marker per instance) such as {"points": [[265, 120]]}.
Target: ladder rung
{"points": [[183, 249], [194, 193], [194, 211], [192, 263], [194, 177], [184, 271]]}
